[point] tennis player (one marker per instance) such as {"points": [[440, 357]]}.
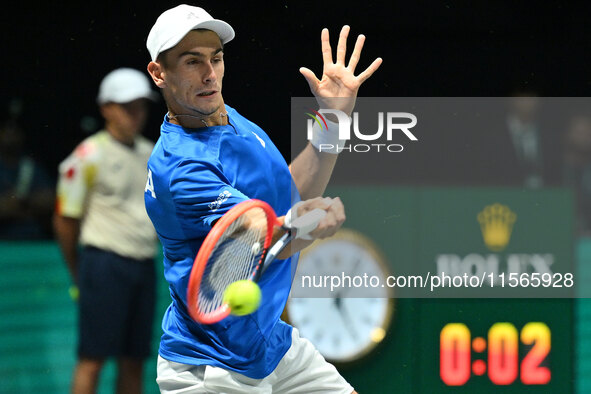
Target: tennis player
{"points": [[209, 158]]}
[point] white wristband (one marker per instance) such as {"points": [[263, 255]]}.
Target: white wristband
{"points": [[291, 215], [327, 140]]}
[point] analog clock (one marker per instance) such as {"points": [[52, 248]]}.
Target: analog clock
{"points": [[339, 301]]}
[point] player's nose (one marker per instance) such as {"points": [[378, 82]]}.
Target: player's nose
{"points": [[209, 75]]}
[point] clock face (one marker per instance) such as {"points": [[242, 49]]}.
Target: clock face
{"points": [[353, 313]]}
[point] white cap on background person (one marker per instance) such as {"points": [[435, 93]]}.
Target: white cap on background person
{"points": [[174, 24], [124, 85]]}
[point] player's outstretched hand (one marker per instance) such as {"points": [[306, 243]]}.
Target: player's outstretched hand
{"points": [[338, 79]]}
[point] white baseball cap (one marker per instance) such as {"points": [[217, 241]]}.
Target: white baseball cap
{"points": [[174, 24], [124, 85]]}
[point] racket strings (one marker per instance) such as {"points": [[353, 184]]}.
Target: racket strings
{"points": [[236, 254]]}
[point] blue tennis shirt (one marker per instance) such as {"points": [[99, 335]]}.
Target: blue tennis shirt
{"points": [[194, 177]]}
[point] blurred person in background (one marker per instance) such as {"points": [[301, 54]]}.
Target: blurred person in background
{"points": [[100, 205], [26, 190], [525, 135], [577, 169], [513, 144]]}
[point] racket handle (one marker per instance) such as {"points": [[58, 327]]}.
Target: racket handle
{"points": [[307, 223], [300, 228]]}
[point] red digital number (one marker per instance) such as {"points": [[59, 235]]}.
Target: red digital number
{"points": [[531, 371], [503, 353], [454, 365]]}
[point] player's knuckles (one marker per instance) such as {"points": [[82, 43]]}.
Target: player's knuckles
{"points": [[337, 204], [337, 225], [313, 203], [324, 227], [330, 221], [338, 212], [325, 203]]}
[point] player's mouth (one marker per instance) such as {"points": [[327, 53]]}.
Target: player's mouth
{"points": [[207, 93]]}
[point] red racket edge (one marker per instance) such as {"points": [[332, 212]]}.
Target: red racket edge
{"points": [[205, 251]]}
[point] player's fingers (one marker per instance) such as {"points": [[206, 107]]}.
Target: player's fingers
{"points": [[337, 209], [327, 227], [335, 215], [370, 70], [342, 45], [334, 219], [311, 204], [329, 221], [324, 230], [310, 78], [356, 55], [326, 49]]}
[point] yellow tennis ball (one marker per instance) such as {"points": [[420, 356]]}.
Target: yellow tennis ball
{"points": [[243, 297]]}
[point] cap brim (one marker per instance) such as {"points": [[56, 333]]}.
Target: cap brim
{"points": [[221, 28], [224, 31]]}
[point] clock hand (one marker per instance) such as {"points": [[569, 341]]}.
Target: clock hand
{"points": [[344, 313]]}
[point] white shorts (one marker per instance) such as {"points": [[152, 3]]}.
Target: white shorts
{"points": [[301, 370]]}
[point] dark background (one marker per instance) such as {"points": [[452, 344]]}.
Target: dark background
{"points": [[54, 56]]}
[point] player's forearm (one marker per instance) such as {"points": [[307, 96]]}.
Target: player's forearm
{"points": [[294, 246], [311, 171], [67, 231]]}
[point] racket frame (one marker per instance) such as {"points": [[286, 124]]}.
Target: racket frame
{"points": [[209, 244]]}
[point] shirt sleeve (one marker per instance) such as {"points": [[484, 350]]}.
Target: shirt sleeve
{"points": [[76, 176], [201, 194]]}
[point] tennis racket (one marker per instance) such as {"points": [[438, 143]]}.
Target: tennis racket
{"points": [[238, 247]]}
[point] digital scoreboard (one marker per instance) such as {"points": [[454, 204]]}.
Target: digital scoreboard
{"points": [[492, 342], [502, 341], [502, 345], [472, 346]]}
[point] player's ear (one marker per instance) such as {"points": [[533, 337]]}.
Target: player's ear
{"points": [[156, 71]]}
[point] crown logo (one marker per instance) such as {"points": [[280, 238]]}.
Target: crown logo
{"points": [[496, 223]]}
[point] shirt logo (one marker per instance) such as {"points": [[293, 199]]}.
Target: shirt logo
{"points": [[215, 205], [150, 184], [70, 173], [259, 138]]}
